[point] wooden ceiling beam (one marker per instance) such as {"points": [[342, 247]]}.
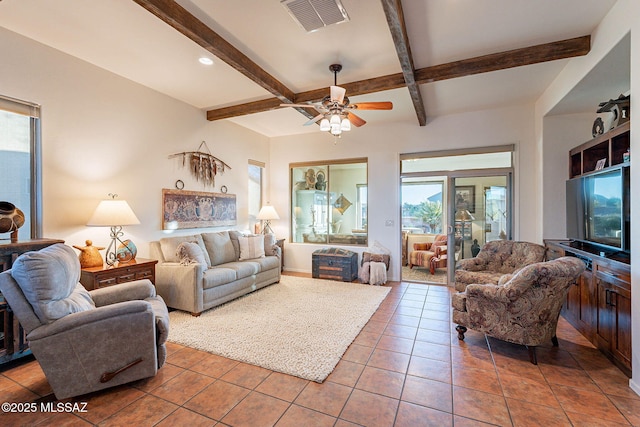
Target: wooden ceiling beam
{"points": [[563, 49], [184, 22], [395, 20]]}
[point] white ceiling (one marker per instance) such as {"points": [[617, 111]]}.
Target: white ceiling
{"points": [[121, 36]]}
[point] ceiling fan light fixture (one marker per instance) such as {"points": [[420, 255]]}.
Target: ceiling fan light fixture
{"points": [[335, 129], [345, 125], [325, 126], [335, 119]]}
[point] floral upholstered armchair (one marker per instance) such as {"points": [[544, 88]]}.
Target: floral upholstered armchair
{"points": [[496, 259], [524, 309]]}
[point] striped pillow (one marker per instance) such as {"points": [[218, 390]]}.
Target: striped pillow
{"points": [[251, 247]]}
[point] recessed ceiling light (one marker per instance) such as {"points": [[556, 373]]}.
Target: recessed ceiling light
{"points": [[206, 61]]}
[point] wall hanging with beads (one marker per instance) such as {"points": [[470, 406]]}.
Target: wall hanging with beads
{"points": [[203, 165]]}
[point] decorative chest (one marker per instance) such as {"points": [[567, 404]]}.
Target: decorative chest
{"points": [[335, 264]]}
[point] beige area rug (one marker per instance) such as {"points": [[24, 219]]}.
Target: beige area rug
{"points": [[300, 326], [417, 274]]}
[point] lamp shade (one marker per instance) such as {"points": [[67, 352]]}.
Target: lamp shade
{"points": [[464, 215], [111, 213], [267, 212]]}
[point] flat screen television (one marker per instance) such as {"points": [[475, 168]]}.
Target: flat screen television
{"points": [[598, 209]]}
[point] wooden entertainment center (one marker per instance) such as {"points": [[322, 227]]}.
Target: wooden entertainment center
{"points": [[599, 304]]}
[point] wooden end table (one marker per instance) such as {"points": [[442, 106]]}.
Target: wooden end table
{"points": [[101, 277]]}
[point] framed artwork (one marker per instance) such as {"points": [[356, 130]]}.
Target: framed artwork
{"points": [[466, 198], [601, 164], [196, 209]]}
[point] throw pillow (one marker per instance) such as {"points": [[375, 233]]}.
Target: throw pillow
{"points": [[369, 257], [49, 280], [190, 253], [421, 246], [220, 247], [251, 247], [270, 244], [169, 246]]}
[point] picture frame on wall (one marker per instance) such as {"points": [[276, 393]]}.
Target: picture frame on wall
{"points": [[197, 209], [466, 198]]}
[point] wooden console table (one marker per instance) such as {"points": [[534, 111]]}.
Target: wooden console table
{"points": [[101, 277], [13, 343]]}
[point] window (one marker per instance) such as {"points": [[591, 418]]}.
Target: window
{"points": [[255, 189], [20, 162], [329, 202]]}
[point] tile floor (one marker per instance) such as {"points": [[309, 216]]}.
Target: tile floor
{"points": [[406, 368]]}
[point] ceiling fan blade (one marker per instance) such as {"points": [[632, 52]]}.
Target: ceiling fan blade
{"points": [[373, 105], [315, 119], [299, 105], [337, 93], [355, 120]]}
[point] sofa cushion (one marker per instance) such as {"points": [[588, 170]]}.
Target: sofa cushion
{"points": [[169, 246], [49, 280], [243, 268], [217, 276], [251, 247], [267, 263], [190, 253], [219, 247]]}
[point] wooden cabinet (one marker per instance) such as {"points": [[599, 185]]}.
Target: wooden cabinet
{"points": [[101, 277], [599, 303], [610, 146], [13, 341]]}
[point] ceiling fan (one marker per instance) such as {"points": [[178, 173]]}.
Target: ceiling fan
{"points": [[335, 109]]}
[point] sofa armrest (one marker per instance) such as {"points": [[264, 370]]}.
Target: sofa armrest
{"points": [[181, 286], [470, 264], [135, 290], [84, 319]]}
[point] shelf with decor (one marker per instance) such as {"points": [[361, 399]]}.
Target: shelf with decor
{"points": [[603, 151]]}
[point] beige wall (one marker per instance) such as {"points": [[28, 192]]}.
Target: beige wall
{"points": [[104, 134]]}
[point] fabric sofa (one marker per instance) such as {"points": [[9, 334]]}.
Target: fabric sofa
{"points": [[524, 310], [197, 272], [495, 259]]}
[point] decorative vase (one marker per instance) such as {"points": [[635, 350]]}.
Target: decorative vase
{"points": [[11, 218], [126, 252], [89, 255]]}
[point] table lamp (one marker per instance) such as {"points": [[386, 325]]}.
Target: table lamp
{"points": [[114, 214], [266, 214]]}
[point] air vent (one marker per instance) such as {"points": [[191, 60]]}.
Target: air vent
{"points": [[315, 14]]}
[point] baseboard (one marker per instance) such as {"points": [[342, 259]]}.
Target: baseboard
{"points": [[633, 385]]}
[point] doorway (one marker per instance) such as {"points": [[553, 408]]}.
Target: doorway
{"points": [[464, 205]]}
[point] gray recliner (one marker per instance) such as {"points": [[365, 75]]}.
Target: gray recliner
{"points": [[85, 341]]}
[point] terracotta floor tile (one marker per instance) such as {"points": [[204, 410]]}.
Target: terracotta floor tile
{"points": [[473, 357], [105, 403], [435, 325], [217, 400], [182, 387], [459, 421], [401, 331], [579, 419], [397, 344], [297, 416], [380, 381], [630, 408], [214, 366], [437, 337], [328, 398], [522, 415], [374, 327], [382, 316], [346, 373], [477, 379], [282, 386], [164, 374], [173, 347], [368, 339], [573, 377], [410, 415], [409, 302], [430, 368], [431, 350], [409, 311], [429, 393], [185, 417], [435, 315], [147, 410], [30, 376], [186, 357], [480, 406], [358, 353], [389, 360], [611, 380], [370, 409], [582, 401], [256, 410], [400, 319], [522, 388], [412, 296], [245, 375], [10, 391]]}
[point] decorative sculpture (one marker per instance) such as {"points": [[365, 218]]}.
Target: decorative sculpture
{"points": [[11, 218], [89, 255]]}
